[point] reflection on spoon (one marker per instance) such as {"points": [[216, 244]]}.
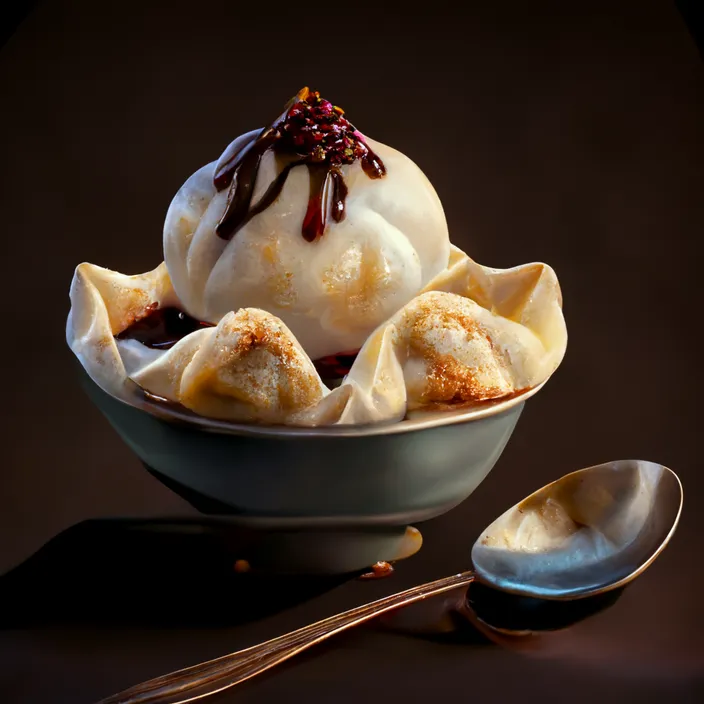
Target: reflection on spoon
{"points": [[581, 537]]}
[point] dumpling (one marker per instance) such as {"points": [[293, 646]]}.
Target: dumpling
{"points": [[340, 249], [249, 367], [476, 334]]}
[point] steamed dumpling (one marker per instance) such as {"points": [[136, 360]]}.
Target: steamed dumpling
{"points": [[455, 351], [333, 292], [249, 367]]}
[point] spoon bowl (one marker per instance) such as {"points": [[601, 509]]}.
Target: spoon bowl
{"points": [[590, 531]]}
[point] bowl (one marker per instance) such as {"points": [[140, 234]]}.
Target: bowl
{"points": [[319, 500]]}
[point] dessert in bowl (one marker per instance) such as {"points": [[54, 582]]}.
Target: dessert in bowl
{"points": [[313, 350]]}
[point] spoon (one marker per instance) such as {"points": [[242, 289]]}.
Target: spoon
{"points": [[588, 533]]}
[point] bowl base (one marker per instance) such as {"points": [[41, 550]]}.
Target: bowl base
{"points": [[202, 504], [289, 546]]}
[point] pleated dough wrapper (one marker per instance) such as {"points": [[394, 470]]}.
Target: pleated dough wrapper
{"points": [[473, 335], [103, 304]]}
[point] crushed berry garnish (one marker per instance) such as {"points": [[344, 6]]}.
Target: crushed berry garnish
{"points": [[312, 132], [319, 132]]}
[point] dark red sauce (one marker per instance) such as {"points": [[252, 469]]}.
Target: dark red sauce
{"points": [[162, 328], [335, 366], [312, 132]]}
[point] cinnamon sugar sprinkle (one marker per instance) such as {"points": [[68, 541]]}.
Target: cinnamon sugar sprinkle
{"points": [[449, 381]]}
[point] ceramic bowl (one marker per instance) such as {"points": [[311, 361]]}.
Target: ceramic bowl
{"points": [[326, 499]]}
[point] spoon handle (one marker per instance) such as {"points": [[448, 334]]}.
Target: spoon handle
{"points": [[200, 681]]}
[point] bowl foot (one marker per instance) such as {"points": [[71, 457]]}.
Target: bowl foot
{"points": [[328, 551], [260, 544]]}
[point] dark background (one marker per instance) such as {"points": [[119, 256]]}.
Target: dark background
{"points": [[570, 133]]}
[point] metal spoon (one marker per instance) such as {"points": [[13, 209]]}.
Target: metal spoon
{"points": [[591, 532]]}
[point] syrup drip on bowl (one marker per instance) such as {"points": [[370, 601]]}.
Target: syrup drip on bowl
{"points": [[310, 132]]}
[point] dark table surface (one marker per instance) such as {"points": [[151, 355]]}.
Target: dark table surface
{"points": [[570, 133]]}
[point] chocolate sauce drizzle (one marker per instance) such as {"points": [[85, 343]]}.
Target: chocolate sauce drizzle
{"points": [[311, 132]]}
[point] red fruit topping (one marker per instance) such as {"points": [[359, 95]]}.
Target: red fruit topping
{"points": [[317, 130]]}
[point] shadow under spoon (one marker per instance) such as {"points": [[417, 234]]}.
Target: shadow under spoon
{"points": [[586, 534]]}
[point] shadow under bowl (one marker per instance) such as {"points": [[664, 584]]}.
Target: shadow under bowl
{"points": [[330, 499]]}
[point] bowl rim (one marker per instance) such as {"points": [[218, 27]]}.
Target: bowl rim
{"points": [[423, 420]]}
